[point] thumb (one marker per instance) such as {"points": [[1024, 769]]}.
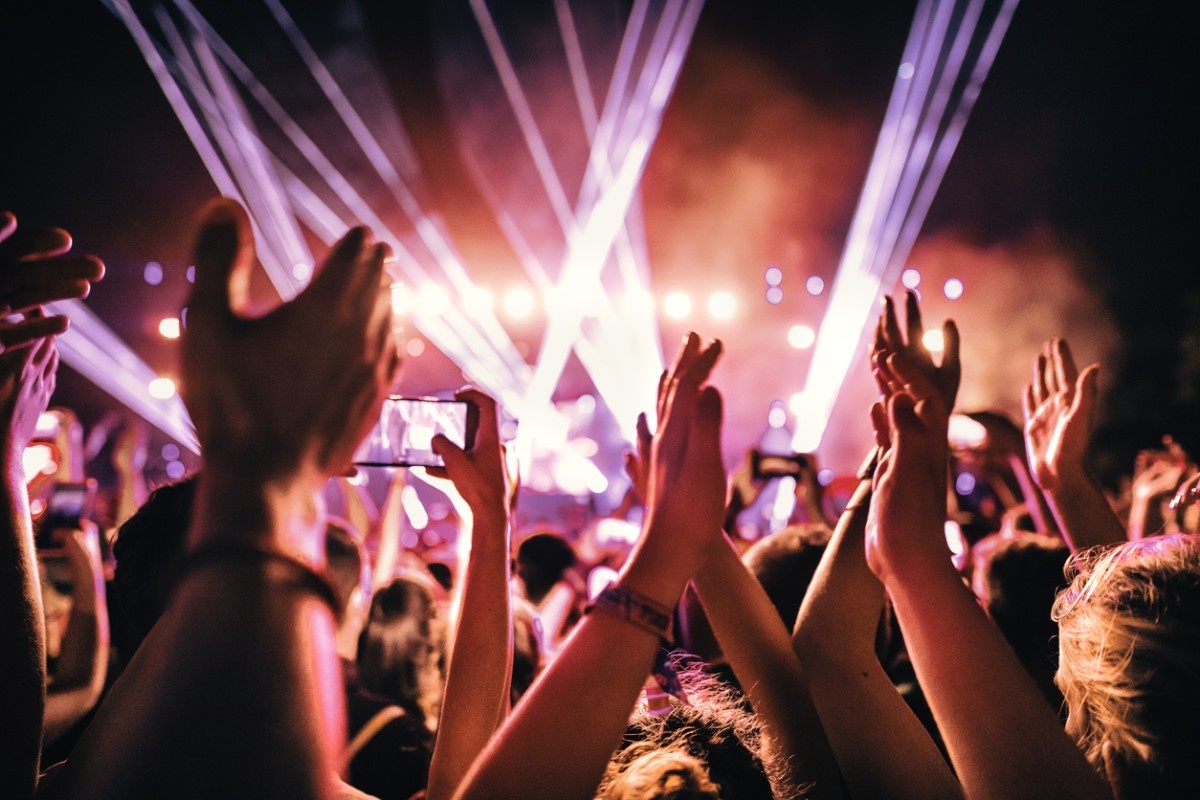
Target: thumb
{"points": [[224, 255], [1085, 392]]}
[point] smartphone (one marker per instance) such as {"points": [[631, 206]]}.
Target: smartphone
{"points": [[67, 505], [404, 434], [771, 465]]}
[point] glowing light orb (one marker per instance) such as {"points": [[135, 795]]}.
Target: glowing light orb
{"points": [[801, 337], [953, 289], [934, 341], [815, 285], [774, 295], [774, 276], [677, 305], [722, 305], [169, 327], [161, 388], [153, 273], [518, 303], [911, 278]]}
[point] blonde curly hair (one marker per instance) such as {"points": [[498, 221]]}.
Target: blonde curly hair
{"points": [[1129, 657]]}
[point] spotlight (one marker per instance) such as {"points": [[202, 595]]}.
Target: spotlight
{"points": [[168, 327], [518, 303], [801, 337], [677, 305], [722, 305], [162, 388]]}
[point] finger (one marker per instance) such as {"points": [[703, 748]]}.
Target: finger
{"points": [[8, 224], [15, 335], [878, 343], [1040, 390], [699, 370], [1085, 392], [224, 256], [686, 385], [1064, 367], [916, 329], [488, 431], [644, 437], [951, 368], [1028, 403], [457, 460], [879, 425], [660, 401], [905, 426], [633, 468], [891, 326], [32, 243]]}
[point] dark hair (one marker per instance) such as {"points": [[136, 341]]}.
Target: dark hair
{"points": [[147, 548], [542, 560], [401, 650], [784, 563], [343, 560]]}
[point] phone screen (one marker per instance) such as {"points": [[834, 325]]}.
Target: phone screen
{"points": [[67, 504], [404, 434]]}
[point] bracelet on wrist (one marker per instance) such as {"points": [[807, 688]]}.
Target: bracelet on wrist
{"points": [[633, 608], [275, 568]]}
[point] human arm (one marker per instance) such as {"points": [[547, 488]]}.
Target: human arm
{"points": [[33, 270], [476, 696], [1058, 406], [564, 730], [239, 677], [757, 645], [1003, 740], [82, 665], [880, 745]]}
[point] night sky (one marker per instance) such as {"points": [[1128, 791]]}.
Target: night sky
{"points": [[1069, 204]]}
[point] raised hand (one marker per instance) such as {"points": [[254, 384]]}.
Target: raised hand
{"points": [[27, 379], [889, 339], [34, 272], [1058, 407], [685, 480], [293, 392], [908, 508], [479, 474]]}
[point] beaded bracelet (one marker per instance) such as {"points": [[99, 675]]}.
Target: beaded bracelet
{"points": [[633, 608], [276, 567]]}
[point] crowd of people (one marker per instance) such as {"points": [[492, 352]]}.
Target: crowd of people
{"points": [[262, 646]]}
